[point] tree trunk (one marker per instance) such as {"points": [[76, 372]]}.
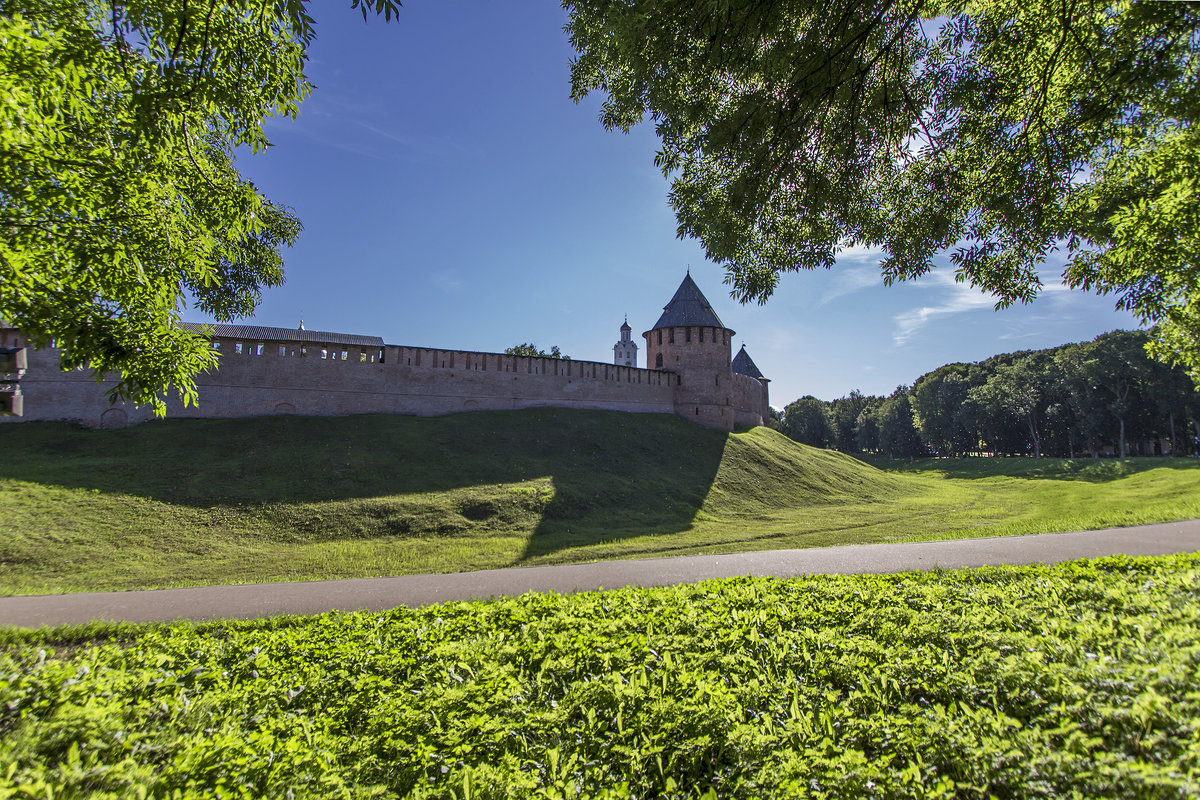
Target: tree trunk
{"points": [[1122, 438], [1172, 416]]}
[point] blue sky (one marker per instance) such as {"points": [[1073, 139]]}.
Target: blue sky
{"points": [[454, 196]]}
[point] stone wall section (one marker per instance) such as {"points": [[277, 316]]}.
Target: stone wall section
{"points": [[750, 401], [261, 379], [689, 373]]}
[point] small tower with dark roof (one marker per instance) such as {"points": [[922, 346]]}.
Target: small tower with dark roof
{"points": [[744, 365], [625, 351]]}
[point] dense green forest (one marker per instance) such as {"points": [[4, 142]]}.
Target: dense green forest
{"points": [[1103, 397]]}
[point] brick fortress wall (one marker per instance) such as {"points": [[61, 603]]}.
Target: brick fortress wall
{"points": [[328, 374], [254, 379]]}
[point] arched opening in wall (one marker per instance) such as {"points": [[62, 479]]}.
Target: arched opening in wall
{"points": [[671, 336], [658, 361], [697, 411], [114, 418], [660, 337], [285, 408]]}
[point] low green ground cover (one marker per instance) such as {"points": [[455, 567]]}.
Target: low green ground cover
{"points": [[187, 502], [1076, 680]]}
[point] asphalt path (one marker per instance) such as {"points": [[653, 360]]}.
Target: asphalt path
{"points": [[247, 601]]}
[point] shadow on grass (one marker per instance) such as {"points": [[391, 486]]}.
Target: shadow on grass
{"points": [[1092, 470], [591, 476]]}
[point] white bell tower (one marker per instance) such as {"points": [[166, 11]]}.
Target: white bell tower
{"points": [[625, 351]]}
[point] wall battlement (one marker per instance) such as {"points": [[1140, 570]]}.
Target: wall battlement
{"points": [[268, 371]]}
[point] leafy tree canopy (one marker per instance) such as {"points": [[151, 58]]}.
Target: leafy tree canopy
{"points": [[1000, 130], [530, 349], [119, 197], [808, 421]]}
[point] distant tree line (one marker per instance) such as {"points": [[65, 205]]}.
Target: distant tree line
{"points": [[1103, 397], [530, 349]]}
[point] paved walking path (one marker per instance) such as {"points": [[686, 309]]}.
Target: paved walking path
{"points": [[312, 597]]}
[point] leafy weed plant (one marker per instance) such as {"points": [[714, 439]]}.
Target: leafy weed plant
{"points": [[1076, 680]]}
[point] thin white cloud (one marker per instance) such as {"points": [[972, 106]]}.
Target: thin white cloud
{"points": [[779, 339], [355, 128], [848, 280], [447, 280], [1013, 335], [961, 298], [861, 254]]}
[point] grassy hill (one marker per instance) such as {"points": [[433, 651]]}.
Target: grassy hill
{"points": [[184, 502]]}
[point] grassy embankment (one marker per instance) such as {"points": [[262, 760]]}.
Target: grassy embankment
{"points": [[1075, 680], [187, 502]]}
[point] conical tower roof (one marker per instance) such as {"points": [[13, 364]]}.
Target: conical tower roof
{"points": [[744, 365], [689, 307]]}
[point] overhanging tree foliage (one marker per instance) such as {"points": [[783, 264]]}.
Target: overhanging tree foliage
{"points": [[119, 196], [1000, 130]]}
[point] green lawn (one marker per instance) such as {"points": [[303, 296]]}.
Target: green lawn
{"points": [[1070, 681], [187, 502]]}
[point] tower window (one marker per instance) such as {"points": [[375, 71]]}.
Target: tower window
{"points": [[658, 361], [687, 334], [701, 330], [660, 336], [671, 336]]}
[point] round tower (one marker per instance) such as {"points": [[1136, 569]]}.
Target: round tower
{"points": [[690, 341], [754, 398], [625, 351]]}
